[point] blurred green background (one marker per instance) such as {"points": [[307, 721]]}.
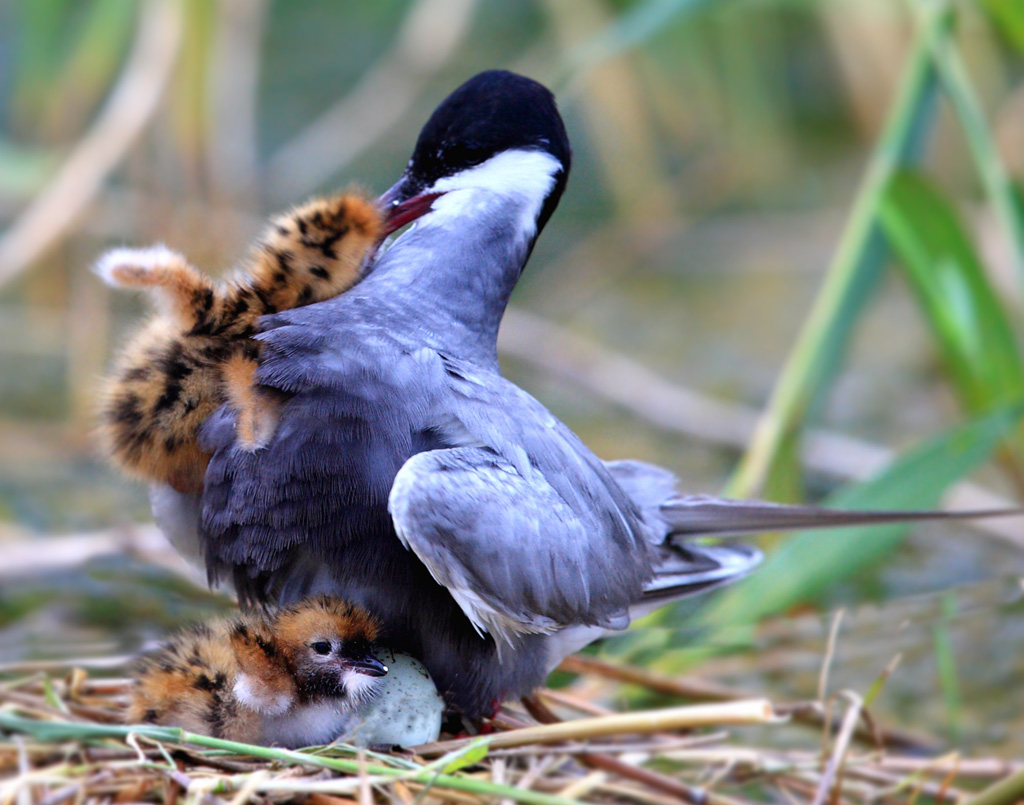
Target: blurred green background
{"points": [[799, 207]]}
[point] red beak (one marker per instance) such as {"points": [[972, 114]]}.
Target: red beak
{"points": [[398, 213]]}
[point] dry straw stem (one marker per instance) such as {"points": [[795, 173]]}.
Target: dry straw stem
{"points": [[974, 768], [830, 651], [53, 760], [751, 711], [894, 785], [834, 768], [131, 106], [656, 781]]}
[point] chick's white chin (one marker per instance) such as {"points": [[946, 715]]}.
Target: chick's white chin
{"points": [[360, 688], [326, 720]]}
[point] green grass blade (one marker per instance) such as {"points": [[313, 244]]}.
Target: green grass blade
{"points": [[855, 269], [1005, 792], [806, 566], [878, 685], [58, 732], [945, 657], [957, 87], [1008, 18], [964, 313], [463, 758]]}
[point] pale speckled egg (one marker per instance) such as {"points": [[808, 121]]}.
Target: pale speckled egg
{"points": [[408, 710]]}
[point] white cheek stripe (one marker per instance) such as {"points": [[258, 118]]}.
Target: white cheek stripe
{"points": [[526, 174]]}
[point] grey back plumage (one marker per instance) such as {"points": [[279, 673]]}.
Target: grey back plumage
{"points": [[405, 365], [406, 474]]}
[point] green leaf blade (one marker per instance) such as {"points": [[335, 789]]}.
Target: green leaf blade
{"points": [[807, 565], [959, 304], [1008, 18]]}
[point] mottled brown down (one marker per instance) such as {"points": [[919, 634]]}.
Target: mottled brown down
{"points": [[190, 681], [197, 352]]}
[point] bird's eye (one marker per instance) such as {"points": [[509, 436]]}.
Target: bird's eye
{"points": [[321, 647]]}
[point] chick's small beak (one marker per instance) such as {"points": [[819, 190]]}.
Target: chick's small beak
{"points": [[367, 665], [399, 208]]}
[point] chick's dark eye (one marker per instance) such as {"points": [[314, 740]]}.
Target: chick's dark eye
{"points": [[321, 647]]}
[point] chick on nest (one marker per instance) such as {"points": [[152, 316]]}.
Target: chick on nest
{"points": [[295, 678], [197, 352]]}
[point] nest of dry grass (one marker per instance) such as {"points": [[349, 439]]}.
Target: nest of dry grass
{"points": [[62, 741]]}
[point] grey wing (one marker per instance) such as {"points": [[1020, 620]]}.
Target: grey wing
{"points": [[509, 548]]}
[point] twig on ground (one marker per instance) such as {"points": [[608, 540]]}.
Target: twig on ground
{"points": [[832, 777]]}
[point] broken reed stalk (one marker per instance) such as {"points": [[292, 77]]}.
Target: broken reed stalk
{"points": [[752, 711], [834, 767]]}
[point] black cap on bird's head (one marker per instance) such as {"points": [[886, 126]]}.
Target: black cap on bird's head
{"points": [[492, 113]]}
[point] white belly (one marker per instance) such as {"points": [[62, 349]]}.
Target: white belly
{"points": [[309, 725]]}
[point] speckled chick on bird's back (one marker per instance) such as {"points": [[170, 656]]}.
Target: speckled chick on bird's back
{"points": [[197, 352]]}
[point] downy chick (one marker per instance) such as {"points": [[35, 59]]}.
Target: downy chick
{"points": [[197, 352], [294, 678]]}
